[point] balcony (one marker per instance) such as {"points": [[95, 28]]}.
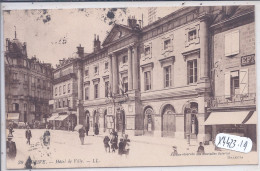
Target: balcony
{"points": [[238, 100]]}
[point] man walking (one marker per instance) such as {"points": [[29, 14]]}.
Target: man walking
{"points": [[10, 148], [28, 135], [82, 135]]}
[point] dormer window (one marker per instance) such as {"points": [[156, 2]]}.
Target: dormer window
{"points": [[147, 51], [167, 44], [192, 35], [125, 59]]}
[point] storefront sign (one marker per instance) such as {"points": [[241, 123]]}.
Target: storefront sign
{"points": [[248, 60], [130, 123]]}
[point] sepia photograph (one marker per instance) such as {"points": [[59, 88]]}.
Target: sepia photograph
{"points": [[130, 87]]}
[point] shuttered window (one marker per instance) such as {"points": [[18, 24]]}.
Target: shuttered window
{"points": [[243, 81], [232, 43]]}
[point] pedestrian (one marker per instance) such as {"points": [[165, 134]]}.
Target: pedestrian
{"points": [[11, 129], [10, 148], [96, 129], [126, 144], [106, 143], [113, 142], [87, 129], [28, 135], [82, 135], [200, 149], [174, 153], [46, 137], [121, 147]]}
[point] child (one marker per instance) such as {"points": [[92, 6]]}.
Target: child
{"points": [[106, 141]]}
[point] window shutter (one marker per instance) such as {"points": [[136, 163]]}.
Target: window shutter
{"points": [[228, 44], [227, 84], [243, 81], [235, 42]]}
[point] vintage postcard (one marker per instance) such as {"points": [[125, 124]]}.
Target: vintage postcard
{"points": [[130, 86]]}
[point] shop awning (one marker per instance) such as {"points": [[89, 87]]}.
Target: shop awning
{"points": [[13, 116], [61, 117], [252, 119], [222, 118], [53, 117]]}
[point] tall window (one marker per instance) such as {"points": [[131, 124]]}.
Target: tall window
{"points": [[68, 102], [192, 71], [235, 83], [232, 43], [33, 82], [87, 93], [69, 88], [167, 44], [25, 78], [125, 59], [60, 90], [106, 65], [192, 35], [125, 84], [59, 104], [15, 76], [167, 76], [147, 80], [106, 88], [64, 89], [96, 69], [63, 103], [15, 107], [96, 91], [56, 91], [86, 73], [147, 50]]}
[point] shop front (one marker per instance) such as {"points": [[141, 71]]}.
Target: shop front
{"points": [[239, 123]]}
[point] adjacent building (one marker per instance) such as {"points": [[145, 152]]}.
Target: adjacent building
{"points": [[233, 102], [65, 94], [28, 85]]}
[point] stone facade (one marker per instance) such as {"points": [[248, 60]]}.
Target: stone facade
{"points": [[28, 85], [234, 71]]}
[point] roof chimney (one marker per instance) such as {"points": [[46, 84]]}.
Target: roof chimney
{"points": [[80, 51], [96, 43]]}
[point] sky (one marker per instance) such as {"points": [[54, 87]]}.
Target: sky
{"points": [[54, 34]]}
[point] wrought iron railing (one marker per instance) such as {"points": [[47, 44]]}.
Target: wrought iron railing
{"points": [[235, 100]]}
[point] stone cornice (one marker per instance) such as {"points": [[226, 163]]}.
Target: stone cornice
{"points": [[172, 94]]}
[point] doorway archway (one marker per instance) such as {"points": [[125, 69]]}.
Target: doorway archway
{"points": [[148, 121], [168, 121], [120, 120], [191, 120]]}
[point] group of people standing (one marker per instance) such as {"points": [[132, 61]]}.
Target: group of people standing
{"points": [[122, 146]]}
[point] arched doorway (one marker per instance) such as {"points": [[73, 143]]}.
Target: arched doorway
{"points": [[191, 120], [105, 120], [120, 120], [148, 121], [168, 121], [95, 119], [87, 114]]}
